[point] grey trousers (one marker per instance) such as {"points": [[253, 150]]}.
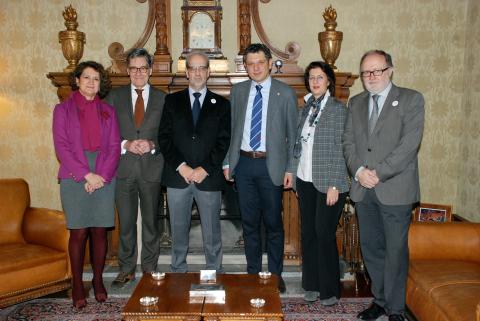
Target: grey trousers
{"points": [[128, 192], [384, 244], [180, 207]]}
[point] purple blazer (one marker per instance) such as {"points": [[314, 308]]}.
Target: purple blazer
{"points": [[68, 142]]}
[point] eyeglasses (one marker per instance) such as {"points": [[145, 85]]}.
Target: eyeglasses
{"points": [[317, 78], [376, 73], [197, 68], [142, 70], [260, 63]]}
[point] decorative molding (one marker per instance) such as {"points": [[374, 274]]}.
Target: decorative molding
{"points": [[157, 17], [243, 25], [292, 49], [244, 35], [162, 60]]}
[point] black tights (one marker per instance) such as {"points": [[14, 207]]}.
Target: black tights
{"points": [[98, 251]]}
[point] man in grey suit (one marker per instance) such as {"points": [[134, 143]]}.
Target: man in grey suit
{"points": [[381, 140], [260, 159], [194, 138], [139, 109]]}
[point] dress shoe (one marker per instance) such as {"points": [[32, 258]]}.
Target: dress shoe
{"points": [[396, 317], [311, 296], [80, 303], [371, 313], [329, 302], [100, 294], [122, 280], [99, 290], [281, 285]]}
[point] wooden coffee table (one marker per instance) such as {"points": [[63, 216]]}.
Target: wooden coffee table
{"points": [[239, 289], [174, 302]]}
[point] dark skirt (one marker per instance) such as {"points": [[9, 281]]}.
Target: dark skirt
{"points": [[84, 210]]}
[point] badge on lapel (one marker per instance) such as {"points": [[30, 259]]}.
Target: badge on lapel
{"points": [[395, 103], [213, 100]]}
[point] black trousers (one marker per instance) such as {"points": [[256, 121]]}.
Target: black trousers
{"points": [[320, 268]]}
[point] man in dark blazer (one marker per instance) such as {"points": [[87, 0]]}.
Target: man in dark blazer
{"points": [[264, 118], [194, 138], [381, 140], [139, 109]]}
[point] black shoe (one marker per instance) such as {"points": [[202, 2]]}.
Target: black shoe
{"points": [[281, 285], [373, 312], [122, 280], [396, 317]]}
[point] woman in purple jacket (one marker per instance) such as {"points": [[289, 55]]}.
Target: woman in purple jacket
{"points": [[87, 144]]}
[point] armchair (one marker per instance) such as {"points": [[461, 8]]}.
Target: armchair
{"points": [[444, 273], [33, 247]]}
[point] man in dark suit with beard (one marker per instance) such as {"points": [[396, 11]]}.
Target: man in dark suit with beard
{"points": [[194, 139], [139, 109]]}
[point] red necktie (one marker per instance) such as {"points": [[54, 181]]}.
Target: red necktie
{"points": [[139, 108]]}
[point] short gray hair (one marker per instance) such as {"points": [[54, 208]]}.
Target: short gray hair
{"points": [[196, 53], [140, 52]]}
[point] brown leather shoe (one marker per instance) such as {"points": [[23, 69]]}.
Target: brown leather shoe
{"points": [[122, 280]]}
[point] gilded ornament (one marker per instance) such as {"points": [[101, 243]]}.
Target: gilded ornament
{"points": [[330, 40], [72, 40]]}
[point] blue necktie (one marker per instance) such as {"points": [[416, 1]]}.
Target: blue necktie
{"points": [[256, 123], [196, 108]]}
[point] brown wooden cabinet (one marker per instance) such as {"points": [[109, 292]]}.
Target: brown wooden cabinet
{"points": [[221, 84]]}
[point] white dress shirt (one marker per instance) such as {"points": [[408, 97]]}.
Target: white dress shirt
{"points": [[248, 116], [145, 94], [304, 171]]}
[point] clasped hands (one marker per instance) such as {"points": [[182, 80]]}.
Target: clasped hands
{"points": [[93, 183], [368, 178], [192, 175], [139, 146]]}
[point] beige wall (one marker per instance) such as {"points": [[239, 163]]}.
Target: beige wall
{"points": [[434, 44], [468, 198]]}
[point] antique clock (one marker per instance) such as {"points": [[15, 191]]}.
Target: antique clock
{"points": [[202, 24]]}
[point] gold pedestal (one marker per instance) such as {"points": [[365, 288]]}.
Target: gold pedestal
{"points": [[162, 63]]}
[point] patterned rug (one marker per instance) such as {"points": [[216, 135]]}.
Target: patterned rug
{"points": [[295, 309]]}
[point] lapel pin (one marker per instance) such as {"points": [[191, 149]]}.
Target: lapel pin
{"points": [[213, 100], [395, 103], [278, 94]]}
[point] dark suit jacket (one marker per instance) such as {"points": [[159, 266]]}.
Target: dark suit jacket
{"points": [[151, 164], [204, 145], [392, 148]]}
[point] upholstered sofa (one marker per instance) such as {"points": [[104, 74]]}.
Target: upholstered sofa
{"points": [[33, 246], [444, 274]]}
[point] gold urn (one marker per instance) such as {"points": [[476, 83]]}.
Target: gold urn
{"points": [[72, 40], [330, 40]]}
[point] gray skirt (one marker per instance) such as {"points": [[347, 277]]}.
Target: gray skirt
{"points": [[84, 210]]}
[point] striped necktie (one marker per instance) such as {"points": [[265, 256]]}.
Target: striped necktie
{"points": [[256, 123]]}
